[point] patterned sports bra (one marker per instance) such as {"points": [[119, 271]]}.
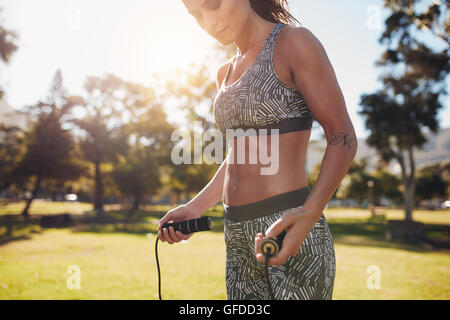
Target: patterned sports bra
{"points": [[259, 99]]}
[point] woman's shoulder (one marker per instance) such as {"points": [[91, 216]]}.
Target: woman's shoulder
{"points": [[301, 45], [299, 33]]}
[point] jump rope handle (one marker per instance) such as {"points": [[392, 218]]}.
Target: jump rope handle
{"points": [[185, 227], [190, 226], [271, 246]]}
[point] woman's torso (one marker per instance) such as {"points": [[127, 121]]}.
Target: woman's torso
{"points": [[244, 182]]}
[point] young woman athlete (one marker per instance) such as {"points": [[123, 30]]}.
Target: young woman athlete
{"points": [[280, 78]]}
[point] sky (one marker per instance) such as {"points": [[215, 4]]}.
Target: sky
{"points": [[135, 38]]}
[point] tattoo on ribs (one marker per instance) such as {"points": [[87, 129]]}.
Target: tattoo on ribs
{"points": [[340, 137]]}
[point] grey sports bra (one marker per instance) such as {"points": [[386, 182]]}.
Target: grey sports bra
{"points": [[259, 99]]}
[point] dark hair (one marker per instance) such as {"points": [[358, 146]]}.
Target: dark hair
{"points": [[276, 11]]}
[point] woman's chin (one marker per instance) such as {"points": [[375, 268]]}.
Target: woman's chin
{"points": [[224, 42]]}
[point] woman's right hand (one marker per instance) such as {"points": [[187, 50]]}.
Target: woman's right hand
{"points": [[178, 214]]}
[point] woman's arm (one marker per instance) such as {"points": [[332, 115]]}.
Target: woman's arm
{"points": [[205, 199], [314, 77], [211, 193], [209, 196]]}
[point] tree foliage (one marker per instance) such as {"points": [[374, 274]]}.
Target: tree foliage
{"points": [[415, 69]]}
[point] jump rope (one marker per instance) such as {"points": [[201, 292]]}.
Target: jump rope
{"points": [[269, 246]]}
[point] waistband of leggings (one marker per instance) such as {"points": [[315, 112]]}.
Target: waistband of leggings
{"points": [[267, 206]]}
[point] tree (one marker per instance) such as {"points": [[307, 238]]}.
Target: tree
{"points": [[388, 185], [196, 87], [7, 46], [413, 85], [11, 142], [111, 103], [98, 146], [355, 183], [137, 176], [49, 149], [430, 182]]}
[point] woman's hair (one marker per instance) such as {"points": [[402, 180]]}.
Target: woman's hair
{"points": [[276, 11]]}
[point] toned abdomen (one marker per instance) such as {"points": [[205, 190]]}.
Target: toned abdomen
{"points": [[275, 170]]}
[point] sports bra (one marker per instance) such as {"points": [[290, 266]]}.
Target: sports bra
{"points": [[259, 99]]}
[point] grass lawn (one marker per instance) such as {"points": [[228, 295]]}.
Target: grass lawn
{"points": [[112, 266], [39, 206], [118, 263]]}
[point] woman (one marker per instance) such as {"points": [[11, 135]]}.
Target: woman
{"points": [[280, 78]]}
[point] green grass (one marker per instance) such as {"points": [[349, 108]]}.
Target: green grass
{"points": [[419, 215], [117, 261], [39, 206], [113, 266]]}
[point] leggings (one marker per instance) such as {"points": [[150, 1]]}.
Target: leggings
{"points": [[309, 275]]}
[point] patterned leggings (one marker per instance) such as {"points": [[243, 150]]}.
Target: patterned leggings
{"points": [[307, 276]]}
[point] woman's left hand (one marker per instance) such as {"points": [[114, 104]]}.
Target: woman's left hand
{"points": [[297, 222]]}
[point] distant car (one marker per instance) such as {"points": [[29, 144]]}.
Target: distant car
{"points": [[445, 204], [71, 197]]}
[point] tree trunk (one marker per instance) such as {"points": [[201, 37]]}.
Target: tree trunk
{"points": [[36, 188], [137, 199], [6, 185], [408, 182], [98, 193], [406, 229], [409, 188], [408, 196]]}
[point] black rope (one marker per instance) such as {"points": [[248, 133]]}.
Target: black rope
{"points": [[267, 275], [266, 269], [159, 273]]}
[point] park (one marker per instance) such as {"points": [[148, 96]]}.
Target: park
{"points": [[111, 117], [35, 264]]}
